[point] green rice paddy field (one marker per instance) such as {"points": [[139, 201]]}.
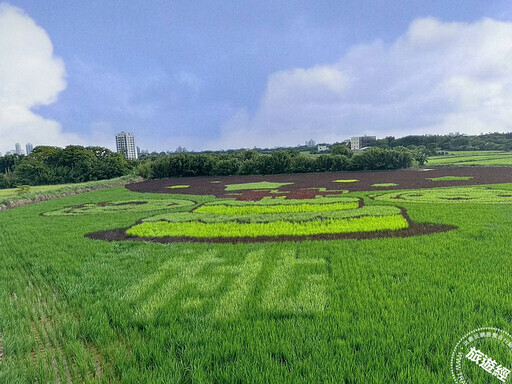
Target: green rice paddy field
{"points": [[382, 310], [467, 158]]}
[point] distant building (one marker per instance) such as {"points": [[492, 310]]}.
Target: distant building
{"points": [[18, 149], [181, 149], [322, 147], [310, 143], [29, 148], [125, 144], [359, 142]]}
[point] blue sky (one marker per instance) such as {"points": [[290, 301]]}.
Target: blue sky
{"points": [[219, 74]]}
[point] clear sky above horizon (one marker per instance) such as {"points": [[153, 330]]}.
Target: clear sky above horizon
{"points": [[225, 74]]}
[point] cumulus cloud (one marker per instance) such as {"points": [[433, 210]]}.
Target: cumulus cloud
{"points": [[438, 77], [30, 76]]}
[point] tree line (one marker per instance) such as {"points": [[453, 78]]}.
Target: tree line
{"points": [[436, 143], [73, 164], [251, 162], [53, 165]]}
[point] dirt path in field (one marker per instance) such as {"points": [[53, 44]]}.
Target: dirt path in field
{"points": [[306, 185]]}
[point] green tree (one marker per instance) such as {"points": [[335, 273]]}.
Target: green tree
{"points": [[341, 149]]}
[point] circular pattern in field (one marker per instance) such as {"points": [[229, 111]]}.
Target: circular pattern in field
{"points": [[475, 194], [119, 207]]}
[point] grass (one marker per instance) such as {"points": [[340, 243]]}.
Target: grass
{"points": [[472, 158], [45, 192], [178, 186], [257, 185], [378, 311], [384, 185], [450, 178], [345, 181]]}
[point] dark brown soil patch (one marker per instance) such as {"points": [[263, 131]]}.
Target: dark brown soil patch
{"points": [[302, 183], [414, 229]]}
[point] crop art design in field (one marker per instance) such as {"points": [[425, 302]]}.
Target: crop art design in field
{"points": [[274, 219], [120, 207], [279, 285], [475, 194]]}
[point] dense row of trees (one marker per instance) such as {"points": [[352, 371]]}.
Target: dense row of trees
{"points": [[251, 162], [435, 143], [52, 165]]}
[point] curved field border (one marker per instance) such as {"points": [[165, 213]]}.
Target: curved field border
{"points": [[413, 229], [467, 194], [119, 207], [309, 185]]}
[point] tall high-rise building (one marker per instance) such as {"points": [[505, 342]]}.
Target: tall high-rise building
{"points": [[29, 148], [125, 144], [18, 149]]}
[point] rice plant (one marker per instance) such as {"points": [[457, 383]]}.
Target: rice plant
{"points": [[384, 185], [120, 207], [386, 310], [274, 228], [450, 178], [458, 195], [278, 206], [256, 185]]}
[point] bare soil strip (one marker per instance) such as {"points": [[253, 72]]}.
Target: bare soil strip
{"points": [[302, 183]]}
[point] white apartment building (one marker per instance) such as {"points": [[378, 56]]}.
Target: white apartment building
{"points": [[358, 142], [125, 144]]}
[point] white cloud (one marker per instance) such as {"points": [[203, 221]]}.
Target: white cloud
{"points": [[438, 77], [30, 76]]}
